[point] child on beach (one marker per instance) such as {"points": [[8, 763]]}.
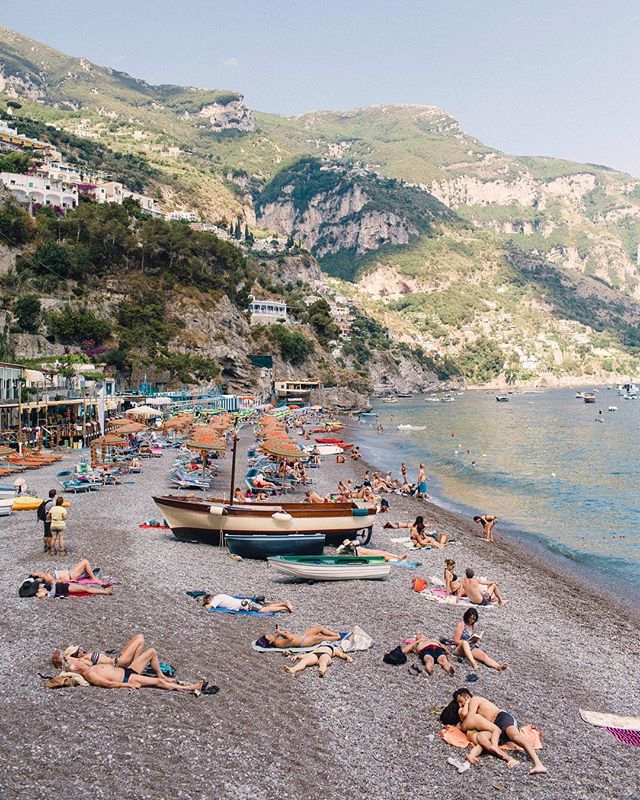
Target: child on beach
{"points": [[58, 517]]}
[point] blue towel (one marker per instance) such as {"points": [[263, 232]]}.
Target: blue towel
{"points": [[409, 564], [245, 613]]}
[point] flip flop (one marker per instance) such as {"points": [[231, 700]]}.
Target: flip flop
{"points": [[471, 677], [414, 669]]}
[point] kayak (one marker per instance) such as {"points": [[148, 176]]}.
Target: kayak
{"points": [[28, 503]]}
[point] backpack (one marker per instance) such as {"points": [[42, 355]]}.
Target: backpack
{"points": [[395, 657], [419, 584], [41, 511]]}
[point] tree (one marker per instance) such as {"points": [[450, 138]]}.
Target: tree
{"points": [[481, 361], [322, 322], [16, 226], [294, 346], [28, 312], [74, 326], [15, 162], [187, 368]]}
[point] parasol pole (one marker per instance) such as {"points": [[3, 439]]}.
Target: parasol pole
{"points": [[233, 464]]}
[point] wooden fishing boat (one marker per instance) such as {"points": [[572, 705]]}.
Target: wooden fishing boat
{"points": [[262, 547], [201, 519], [331, 568], [589, 397]]}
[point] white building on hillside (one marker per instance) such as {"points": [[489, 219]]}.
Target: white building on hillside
{"points": [[31, 189], [114, 192], [181, 216], [268, 312]]}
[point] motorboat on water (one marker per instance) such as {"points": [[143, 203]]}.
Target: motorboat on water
{"points": [[331, 568], [264, 546], [390, 400], [200, 519], [579, 395], [448, 399], [412, 428], [589, 397], [612, 408], [628, 389], [404, 394], [502, 398], [432, 399]]}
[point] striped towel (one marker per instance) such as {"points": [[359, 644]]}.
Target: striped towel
{"points": [[626, 737]]}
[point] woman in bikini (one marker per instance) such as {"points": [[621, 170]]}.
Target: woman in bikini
{"points": [[80, 570], [451, 581], [430, 652], [283, 640], [467, 643], [354, 548], [133, 654], [322, 656]]}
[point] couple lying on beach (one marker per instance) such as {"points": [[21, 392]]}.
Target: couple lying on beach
{"points": [[63, 582], [481, 592], [488, 728], [323, 640], [124, 669], [259, 604], [465, 640], [420, 536]]}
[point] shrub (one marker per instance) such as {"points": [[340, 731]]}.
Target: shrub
{"points": [[294, 346], [481, 361], [72, 326], [28, 312]]}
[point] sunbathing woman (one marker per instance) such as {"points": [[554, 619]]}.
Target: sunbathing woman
{"points": [[133, 655], [323, 656], [419, 535], [244, 603], [430, 652], [354, 548], [450, 578], [310, 638], [466, 639], [80, 570]]}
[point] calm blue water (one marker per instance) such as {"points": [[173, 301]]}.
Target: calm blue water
{"points": [[543, 466]]}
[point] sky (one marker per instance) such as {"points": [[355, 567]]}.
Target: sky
{"points": [[548, 77]]}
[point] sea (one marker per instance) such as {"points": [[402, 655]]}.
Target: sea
{"points": [[561, 475]]}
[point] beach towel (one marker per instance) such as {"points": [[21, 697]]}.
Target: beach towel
{"points": [[616, 721], [439, 595], [287, 650], [407, 564], [456, 738], [625, 736]]}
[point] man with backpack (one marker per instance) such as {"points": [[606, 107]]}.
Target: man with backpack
{"points": [[43, 513]]}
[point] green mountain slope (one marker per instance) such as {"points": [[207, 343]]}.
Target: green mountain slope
{"points": [[436, 228]]}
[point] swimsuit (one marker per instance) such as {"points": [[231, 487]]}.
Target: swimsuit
{"points": [[465, 633], [330, 646], [505, 720], [486, 599], [433, 650], [128, 672]]}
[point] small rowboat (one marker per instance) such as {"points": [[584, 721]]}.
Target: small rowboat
{"points": [[338, 442], [331, 568], [262, 547]]}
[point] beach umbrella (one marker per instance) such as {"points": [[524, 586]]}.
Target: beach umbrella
{"points": [[204, 447], [143, 411], [159, 401], [282, 449], [119, 421]]}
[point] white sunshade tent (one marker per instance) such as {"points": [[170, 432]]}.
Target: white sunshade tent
{"points": [[159, 401], [143, 411]]}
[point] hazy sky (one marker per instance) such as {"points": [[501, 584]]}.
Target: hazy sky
{"points": [[546, 77]]}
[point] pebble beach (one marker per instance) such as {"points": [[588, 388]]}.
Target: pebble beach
{"points": [[366, 730]]}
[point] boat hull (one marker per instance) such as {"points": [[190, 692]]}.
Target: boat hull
{"points": [[209, 522], [263, 547]]}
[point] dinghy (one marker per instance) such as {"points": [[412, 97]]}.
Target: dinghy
{"points": [[262, 547], [331, 568], [412, 427]]}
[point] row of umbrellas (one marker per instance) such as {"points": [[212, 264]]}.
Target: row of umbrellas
{"points": [[276, 441]]}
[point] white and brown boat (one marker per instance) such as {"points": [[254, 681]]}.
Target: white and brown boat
{"points": [[198, 519]]}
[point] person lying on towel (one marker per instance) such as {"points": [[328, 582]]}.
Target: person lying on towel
{"points": [[133, 654], [310, 638], [506, 723], [244, 604], [81, 570], [42, 590]]}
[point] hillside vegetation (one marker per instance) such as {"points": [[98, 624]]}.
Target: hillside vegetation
{"points": [[444, 240]]}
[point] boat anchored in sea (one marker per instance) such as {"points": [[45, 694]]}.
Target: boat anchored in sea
{"points": [[589, 397], [502, 398]]}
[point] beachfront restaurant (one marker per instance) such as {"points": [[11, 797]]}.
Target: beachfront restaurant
{"points": [[295, 391]]}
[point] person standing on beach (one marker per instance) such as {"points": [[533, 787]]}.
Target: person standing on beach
{"points": [[422, 483], [44, 515], [403, 472], [488, 524], [58, 515]]}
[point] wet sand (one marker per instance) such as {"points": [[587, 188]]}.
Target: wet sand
{"points": [[363, 731]]}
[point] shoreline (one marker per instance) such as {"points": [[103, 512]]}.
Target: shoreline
{"points": [[522, 546]]}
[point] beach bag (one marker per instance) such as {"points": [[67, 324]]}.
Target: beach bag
{"points": [[41, 511], [355, 640], [419, 584], [29, 588], [395, 657]]}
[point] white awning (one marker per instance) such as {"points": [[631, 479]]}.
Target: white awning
{"points": [[159, 401], [32, 376]]}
